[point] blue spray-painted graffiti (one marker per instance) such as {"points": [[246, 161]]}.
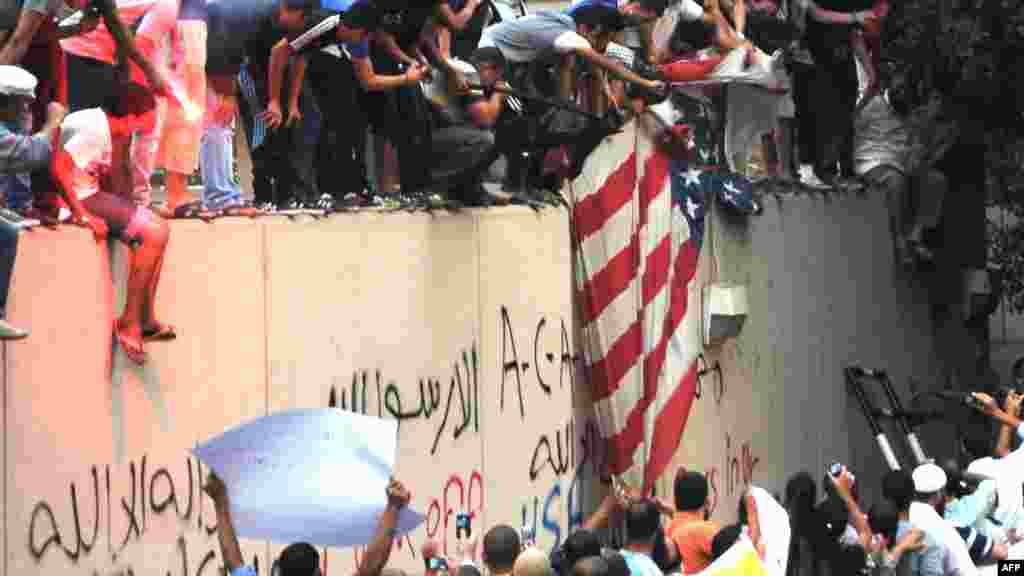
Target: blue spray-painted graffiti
{"points": [[551, 514]]}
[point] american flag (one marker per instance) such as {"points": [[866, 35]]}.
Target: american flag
{"points": [[638, 218]]}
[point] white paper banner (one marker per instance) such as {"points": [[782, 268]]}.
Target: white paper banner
{"points": [[316, 476]]}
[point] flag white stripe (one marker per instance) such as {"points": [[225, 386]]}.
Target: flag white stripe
{"points": [[614, 237], [616, 319], [603, 162]]}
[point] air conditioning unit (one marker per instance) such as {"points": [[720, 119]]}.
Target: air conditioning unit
{"points": [[725, 309]]}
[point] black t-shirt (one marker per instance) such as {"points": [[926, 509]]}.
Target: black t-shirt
{"points": [[406, 22]]}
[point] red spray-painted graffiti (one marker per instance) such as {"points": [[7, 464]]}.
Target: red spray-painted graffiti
{"points": [[459, 495]]}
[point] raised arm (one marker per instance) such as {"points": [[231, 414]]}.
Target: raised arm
{"points": [[616, 68], [379, 550], [29, 22], [859, 520], [126, 48], [831, 17], [229, 548]]}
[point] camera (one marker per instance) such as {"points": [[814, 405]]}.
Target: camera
{"points": [[835, 470], [463, 528]]}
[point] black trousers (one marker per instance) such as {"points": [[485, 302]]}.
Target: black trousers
{"points": [[826, 96], [341, 150], [282, 165], [403, 117]]}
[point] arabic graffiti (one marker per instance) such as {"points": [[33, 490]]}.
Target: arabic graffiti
{"points": [[563, 455], [44, 532], [465, 380], [153, 493]]}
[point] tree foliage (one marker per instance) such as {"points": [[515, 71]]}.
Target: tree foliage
{"points": [[975, 49]]}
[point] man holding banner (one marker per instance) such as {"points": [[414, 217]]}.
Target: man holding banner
{"points": [[300, 558]]}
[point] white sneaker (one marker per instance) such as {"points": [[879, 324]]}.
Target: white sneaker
{"points": [[810, 179], [20, 222], [9, 332]]}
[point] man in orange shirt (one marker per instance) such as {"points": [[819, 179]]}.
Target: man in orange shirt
{"points": [[691, 530]]}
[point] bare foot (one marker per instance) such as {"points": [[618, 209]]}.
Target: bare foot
{"points": [[156, 332], [129, 338]]}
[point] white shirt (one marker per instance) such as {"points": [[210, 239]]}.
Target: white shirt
{"points": [[1009, 475], [85, 136], [958, 560]]}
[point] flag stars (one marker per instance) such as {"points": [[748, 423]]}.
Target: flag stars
{"points": [[692, 177]]}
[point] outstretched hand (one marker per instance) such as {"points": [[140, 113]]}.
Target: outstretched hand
{"points": [[215, 488], [398, 495]]}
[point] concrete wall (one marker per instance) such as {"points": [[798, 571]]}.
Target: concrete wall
{"points": [[466, 320], [461, 325], [823, 294]]}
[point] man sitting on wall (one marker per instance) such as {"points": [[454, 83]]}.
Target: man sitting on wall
{"points": [[301, 559], [92, 142]]}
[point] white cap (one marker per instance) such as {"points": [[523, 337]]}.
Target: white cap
{"points": [[929, 478], [16, 81]]}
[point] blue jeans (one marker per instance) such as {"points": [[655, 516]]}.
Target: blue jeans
{"points": [[8, 250], [216, 159]]}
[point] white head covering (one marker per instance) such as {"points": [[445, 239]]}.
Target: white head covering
{"points": [[929, 478], [16, 81]]}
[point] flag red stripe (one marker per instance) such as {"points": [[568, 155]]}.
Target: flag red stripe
{"points": [[619, 359], [611, 281], [591, 213], [607, 372], [625, 443], [656, 271], [653, 183], [669, 425]]}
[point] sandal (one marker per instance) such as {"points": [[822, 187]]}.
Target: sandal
{"points": [[161, 333], [192, 210], [241, 211], [135, 353]]}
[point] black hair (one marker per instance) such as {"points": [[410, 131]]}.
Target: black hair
{"points": [[643, 521], [724, 540], [898, 488], [299, 559], [801, 494], [690, 490], [599, 17], [884, 519], [579, 545], [501, 548]]}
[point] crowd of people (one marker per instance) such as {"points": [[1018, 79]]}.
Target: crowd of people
{"points": [[97, 95], [956, 519]]}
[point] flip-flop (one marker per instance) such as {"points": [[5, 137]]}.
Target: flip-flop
{"points": [[137, 355], [162, 333]]}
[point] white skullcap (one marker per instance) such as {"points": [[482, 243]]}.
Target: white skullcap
{"points": [[16, 81], [929, 478]]}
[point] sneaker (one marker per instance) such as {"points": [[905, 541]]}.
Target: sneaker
{"points": [[810, 179], [9, 332], [20, 222]]}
